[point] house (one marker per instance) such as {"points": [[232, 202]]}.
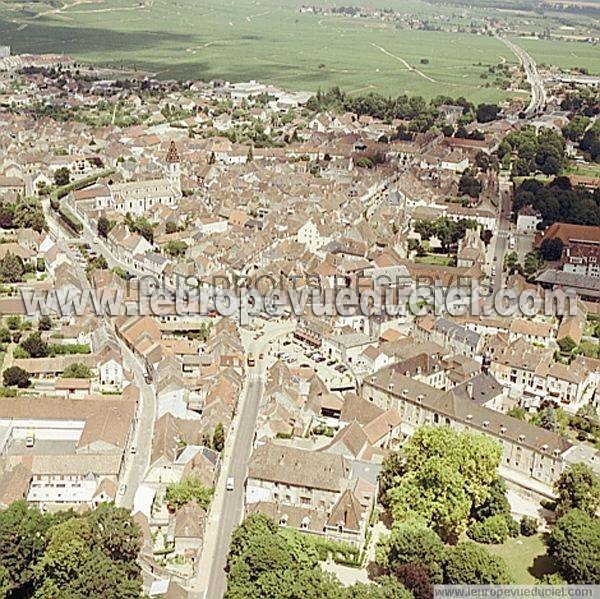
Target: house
{"points": [[315, 492], [110, 369], [528, 220], [188, 534]]}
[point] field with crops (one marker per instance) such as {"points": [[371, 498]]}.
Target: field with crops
{"points": [[272, 41]]}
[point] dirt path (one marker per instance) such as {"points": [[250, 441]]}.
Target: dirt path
{"points": [[65, 6], [408, 66]]}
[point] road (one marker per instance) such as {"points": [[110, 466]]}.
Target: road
{"points": [[502, 236], [136, 463], [538, 93], [227, 507]]}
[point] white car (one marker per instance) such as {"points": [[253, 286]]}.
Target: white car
{"points": [[122, 489], [230, 483]]}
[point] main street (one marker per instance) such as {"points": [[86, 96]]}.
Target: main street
{"points": [[227, 508], [136, 463], [502, 235]]}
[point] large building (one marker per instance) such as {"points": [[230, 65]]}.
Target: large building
{"points": [[68, 452], [581, 254], [532, 458]]}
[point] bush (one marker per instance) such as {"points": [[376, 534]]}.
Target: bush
{"points": [[491, 530], [529, 526], [513, 527]]}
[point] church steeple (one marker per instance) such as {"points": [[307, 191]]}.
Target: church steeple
{"points": [[173, 154], [173, 168]]}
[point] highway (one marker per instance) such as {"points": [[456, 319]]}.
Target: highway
{"points": [[538, 93]]}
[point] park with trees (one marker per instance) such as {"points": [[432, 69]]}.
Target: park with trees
{"points": [[64, 554]]}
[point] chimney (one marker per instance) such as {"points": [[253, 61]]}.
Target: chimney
{"points": [[470, 390]]}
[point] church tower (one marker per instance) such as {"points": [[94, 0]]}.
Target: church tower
{"points": [[173, 169]]}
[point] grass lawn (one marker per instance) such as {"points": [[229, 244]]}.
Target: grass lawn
{"points": [[584, 171], [525, 556], [437, 259]]}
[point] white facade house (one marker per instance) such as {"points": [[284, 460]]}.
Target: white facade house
{"points": [[527, 221], [311, 236]]}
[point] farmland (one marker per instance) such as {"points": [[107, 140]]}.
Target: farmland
{"points": [[270, 40]]}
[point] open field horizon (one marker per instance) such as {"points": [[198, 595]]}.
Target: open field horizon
{"points": [[272, 42]]}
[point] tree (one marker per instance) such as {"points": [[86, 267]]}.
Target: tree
{"points": [[171, 227], [434, 493], [551, 250], [578, 488], [469, 563], [23, 531], [77, 370], [532, 263], [44, 323], [496, 504], [93, 556], [482, 160], [469, 184], [389, 475], [189, 489], [13, 323], [218, 438], [15, 376], [548, 419], [487, 112], [35, 346], [511, 262], [416, 579], [175, 248], [253, 525], [11, 268], [144, 228], [517, 412], [103, 226], [491, 530], [566, 345], [62, 176], [445, 476], [385, 587], [412, 542], [574, 543]]}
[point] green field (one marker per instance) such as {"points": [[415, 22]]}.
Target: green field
{"points": [[268, 40]]}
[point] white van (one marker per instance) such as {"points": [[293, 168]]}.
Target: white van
{"points": [[230, 483]]}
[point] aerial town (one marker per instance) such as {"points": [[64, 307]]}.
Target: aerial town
{"points": [[294, 453]]}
